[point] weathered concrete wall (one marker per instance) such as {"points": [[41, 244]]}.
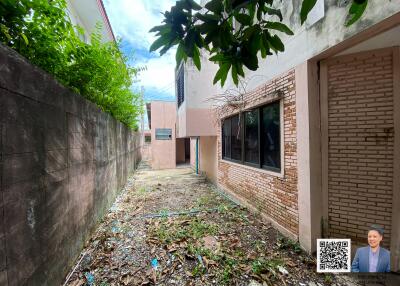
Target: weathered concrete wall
{"points": [[62, 163]]}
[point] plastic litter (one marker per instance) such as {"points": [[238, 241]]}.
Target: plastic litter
{"points": [[200, 259], [89, 278], [154, 263], [283, 270]]}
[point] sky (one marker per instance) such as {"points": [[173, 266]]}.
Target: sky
{"points": [[131, 21]]}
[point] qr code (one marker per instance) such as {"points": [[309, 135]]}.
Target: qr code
{"points": [[333, 255]]}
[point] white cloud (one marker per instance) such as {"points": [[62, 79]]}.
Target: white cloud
{"points": [[159, 72], [131, 20]]}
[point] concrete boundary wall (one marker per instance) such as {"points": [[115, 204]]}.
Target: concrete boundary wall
{"points": [[62, 163]]}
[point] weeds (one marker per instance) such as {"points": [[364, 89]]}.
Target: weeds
{"points": [[263, 266], [328, 279], [286, 243]]}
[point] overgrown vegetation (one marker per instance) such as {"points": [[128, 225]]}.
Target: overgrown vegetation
{"points": [[41, 31]]}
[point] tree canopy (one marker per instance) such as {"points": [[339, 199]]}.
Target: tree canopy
{"points": [[233, 32]]}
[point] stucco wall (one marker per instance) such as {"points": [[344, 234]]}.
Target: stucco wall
{"points": [[198, 89], [163, 152], [208, 157], [62, 163], [193, 152]]}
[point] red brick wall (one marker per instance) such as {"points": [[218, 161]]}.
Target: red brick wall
{"points": [[360, 152], [274, 196]]}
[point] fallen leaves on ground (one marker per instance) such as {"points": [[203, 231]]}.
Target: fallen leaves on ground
{"points": [[223, 244]]}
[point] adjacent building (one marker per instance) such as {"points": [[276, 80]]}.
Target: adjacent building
{"points": [[313, 141], [87, 14], [165, 151]]}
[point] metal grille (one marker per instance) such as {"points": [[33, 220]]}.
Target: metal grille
{"points": [[180, 86]]}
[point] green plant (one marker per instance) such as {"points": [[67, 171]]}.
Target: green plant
{"points": [[328, 278], [234, 32], [40, 30], [263, 265], [286, 243], [198, 228]]}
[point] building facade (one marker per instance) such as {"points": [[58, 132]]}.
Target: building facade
{"points": [[312, 143], [163, 149], [87, 14]]}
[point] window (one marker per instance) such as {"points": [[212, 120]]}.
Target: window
{"points": [[270, 132], [254, 137], [251, 135], [163, 134], [147, 139], [226, 139], [236, 138], [180, 87]]}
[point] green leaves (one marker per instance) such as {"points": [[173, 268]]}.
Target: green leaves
{"points": [[306, 7], [196, 58], [215, 6], [279, 27], [357, 9], [244, 19], [39, 30], [233, 32], [162, 41], [222, 73]]}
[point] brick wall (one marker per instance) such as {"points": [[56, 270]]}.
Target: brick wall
{"points": [[62, 162], [361, 136], [274, 196]]}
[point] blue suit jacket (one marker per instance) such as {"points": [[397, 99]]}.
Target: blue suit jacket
{"points": [[361, 260]]}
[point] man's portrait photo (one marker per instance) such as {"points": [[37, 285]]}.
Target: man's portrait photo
{"points": [[372, 258]]}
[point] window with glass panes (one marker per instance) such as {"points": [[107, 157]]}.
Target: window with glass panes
{"points": [[254, 137]]}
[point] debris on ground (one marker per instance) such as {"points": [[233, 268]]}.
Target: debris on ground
{"points": [[171, 227]]}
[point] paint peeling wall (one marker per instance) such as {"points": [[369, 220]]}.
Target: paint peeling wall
{"points": [[62, 163]]}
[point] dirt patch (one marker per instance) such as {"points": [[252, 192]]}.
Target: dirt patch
{"points": [[171, 227]]}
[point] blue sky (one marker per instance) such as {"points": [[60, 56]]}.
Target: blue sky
{"points": [[131, 20]]}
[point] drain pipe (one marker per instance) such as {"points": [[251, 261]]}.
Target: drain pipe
{"points": [[197, 155]]}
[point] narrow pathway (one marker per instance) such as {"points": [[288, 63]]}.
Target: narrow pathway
{"points": [[172, 227]]}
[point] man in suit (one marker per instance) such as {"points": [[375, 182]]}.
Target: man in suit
{"points": [[372, 258]]}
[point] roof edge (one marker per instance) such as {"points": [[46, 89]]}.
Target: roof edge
{"points": [[105, 17]]}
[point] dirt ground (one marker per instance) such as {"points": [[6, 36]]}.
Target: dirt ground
{"points": [[172, 227]]}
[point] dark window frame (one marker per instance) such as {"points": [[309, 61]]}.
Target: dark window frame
{"points": [[180, 86], [261, 140]]}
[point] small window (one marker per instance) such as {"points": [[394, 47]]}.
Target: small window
{"points": [[147, 139], [254, 137], [163, 134]]}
